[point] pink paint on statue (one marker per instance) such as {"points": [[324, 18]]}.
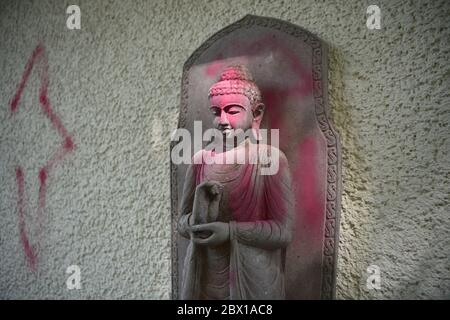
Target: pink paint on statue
{"points": [[302, 86], [306, 172], [274, 98], [260, 197], [213, 69], [31, 252]]}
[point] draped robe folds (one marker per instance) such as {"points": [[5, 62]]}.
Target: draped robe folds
{"points": [[259, 211]]}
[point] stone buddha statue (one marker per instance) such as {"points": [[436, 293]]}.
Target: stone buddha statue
{"points": [[237, 220]]}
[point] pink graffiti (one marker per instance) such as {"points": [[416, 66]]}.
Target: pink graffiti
{"points": [[67, 145]]}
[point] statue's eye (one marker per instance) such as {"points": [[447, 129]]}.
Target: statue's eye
{"points": [[233, 109], [215, 112]]}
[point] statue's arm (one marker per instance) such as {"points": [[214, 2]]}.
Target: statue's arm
{"points": [[276, 231], [187, 202], [266, 234]]}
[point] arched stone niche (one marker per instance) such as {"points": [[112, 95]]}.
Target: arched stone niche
{"points": [[289, 64]]}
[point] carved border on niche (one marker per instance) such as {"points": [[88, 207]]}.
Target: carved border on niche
{"points": [[333, 190]]}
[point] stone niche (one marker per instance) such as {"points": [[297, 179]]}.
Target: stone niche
{"points": [[289, 65]]}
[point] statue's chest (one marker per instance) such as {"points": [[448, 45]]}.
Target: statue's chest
{"points": [[242, 187], [227, 174]]}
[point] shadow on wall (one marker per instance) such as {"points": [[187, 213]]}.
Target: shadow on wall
{"points": [[377, 225], [354, 243]]}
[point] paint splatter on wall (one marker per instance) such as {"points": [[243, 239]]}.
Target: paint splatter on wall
{"points": [[39, 62]]}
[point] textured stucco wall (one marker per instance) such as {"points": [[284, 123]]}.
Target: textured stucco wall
{"points": [[115, 84]]}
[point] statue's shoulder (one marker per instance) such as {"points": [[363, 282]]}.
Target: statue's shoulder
{"points": [[199, 157]]}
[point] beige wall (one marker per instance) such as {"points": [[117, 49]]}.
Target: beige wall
{"points": [[115, 85]]}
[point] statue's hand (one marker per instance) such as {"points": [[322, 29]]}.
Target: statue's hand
{"points": [[219, 233], [209, 190], [206, 202]]}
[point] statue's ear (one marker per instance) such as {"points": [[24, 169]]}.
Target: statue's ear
{"points": [[258, 112]]}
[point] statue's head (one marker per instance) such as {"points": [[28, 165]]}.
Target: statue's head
{"points": [[235, 101]]}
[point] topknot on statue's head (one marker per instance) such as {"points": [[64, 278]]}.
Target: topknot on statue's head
{"points": [[236, 72], [237, 79]]}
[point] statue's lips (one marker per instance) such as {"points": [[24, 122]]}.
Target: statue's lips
{"points": [[225, 131]]}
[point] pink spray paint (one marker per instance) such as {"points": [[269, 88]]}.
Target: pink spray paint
{"points": [[31, 251]]}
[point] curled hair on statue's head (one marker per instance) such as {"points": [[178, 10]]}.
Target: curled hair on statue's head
{"points": [[237, 79]]}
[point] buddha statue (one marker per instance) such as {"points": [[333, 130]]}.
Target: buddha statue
{"points": [[237, 220]]}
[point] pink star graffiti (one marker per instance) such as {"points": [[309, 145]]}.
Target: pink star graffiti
{"points": [[67, 145]]}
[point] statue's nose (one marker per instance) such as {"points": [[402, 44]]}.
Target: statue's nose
{"points": [[223, 118]]}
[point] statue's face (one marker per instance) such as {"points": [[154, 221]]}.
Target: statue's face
{"points": [[231, 111]]}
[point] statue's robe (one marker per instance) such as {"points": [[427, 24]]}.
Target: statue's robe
{"points": [[258, 208]]}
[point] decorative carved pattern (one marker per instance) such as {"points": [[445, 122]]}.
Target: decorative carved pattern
{"points": [[174, 217], [331, 174], [332, 155], [331, 234], [333, 159], [330, 228], [322, 120], [317, 88], [331, 210]]}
